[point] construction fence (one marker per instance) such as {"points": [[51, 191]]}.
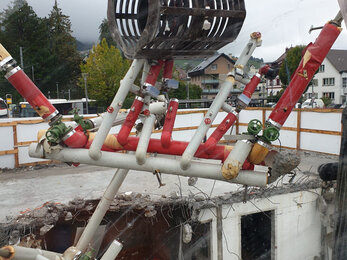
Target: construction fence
{"points": [[317, 130]]}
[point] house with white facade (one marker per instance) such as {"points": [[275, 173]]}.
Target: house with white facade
{"points": [[331, 79]]}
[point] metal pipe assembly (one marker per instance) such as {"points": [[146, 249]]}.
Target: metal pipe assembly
{"points": [[130, 120], [217, 104], [142, 145], [169, 123], [200, 169], [100, 211], [23, 84], [112, 251], [207, 121], [153, 50], [114, 108]]}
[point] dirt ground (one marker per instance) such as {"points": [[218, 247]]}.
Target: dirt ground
{"points": [[26, 189]]}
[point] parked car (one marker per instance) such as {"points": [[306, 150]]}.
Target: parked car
{"points": [[313, 103]]}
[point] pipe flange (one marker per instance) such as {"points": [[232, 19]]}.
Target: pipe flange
{"points": [[52, 115], [68, 135], [4, 61], [10, 250], [274, 123], [12, 72]]}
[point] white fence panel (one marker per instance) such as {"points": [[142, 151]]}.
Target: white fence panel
{"points": [[320, 143], [6, 137], [321, 121], [314, 120]]}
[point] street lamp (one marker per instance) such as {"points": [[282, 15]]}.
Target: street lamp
{"points": [[85, 76]]}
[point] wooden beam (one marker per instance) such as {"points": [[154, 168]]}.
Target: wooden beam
{"points": [[14, 151], [298, 129], [15, 143]]}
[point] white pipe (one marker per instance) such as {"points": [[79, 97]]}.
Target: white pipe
{"points": [[207, 122], [198, 169], [236, 158], [24, 253], [146, 133], [145, 71], [227, 108], [247, 52], [112, 251], [110, 116], [40, 257], [158, 108], [100, 211]]}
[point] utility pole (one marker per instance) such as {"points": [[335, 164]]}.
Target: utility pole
{"points": [[340, 230], [85, 76], [57, 84], [32, 73], [21, 57]]}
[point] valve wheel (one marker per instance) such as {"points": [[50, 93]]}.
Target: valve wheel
{"points": [[51, 136], [271, 134], [254, 126]]}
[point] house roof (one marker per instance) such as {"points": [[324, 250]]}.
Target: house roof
{"points": [[199, 70], [338, 59]]}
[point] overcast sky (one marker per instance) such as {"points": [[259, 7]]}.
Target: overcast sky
{"points": [[283, 23]]}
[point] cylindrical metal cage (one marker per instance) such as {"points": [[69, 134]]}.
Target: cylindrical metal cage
{"points": [[161, 29]]}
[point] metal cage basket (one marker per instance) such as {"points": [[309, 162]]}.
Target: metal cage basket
{"points": [[162, 29]]}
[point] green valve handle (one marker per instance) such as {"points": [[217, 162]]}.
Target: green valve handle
{"points": [[56, 132], [271, 133], [254, 127]]}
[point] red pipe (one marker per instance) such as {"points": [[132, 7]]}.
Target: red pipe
{"points": [[75, 139], [154, 73], [314, 56], [222, 128], [32, 94], [251, 86], [168, 69], [230, 119], [169, 123], [130, 120], [176, 148]]}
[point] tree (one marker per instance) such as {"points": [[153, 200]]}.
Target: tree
{"points": [[21, 27], [63, 48], [290, 64], [105, 33], [181, 92], [105, 67]]}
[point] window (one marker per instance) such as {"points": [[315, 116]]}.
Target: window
{"points": [[330, 95], [315, 82], [214, 67], [321, 68], [344, 82], [328, 81], [229, 66]]}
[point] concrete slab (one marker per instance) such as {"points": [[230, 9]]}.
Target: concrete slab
{"points": [[30, 189]]}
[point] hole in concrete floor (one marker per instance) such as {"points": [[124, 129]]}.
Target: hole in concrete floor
{"points": [[158, 237]]}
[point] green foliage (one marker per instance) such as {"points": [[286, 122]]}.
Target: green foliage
{"points": [[181, 93], [105, 33], [291, 62], [49, 50], [105, 67], [64, 54], [326, 100], [256, 62]]}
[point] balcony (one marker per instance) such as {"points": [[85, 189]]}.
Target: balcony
{"points": [[210, 81]]}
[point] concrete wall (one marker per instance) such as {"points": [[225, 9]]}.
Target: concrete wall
{"points": [[296, 228], [318, 131]]}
